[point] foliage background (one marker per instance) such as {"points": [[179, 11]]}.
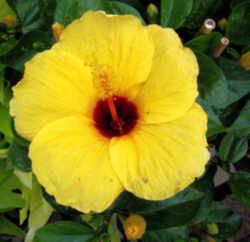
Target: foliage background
{"points": [[214, 207]]}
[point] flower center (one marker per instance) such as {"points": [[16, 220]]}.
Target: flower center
{"points": [[115, 116]]}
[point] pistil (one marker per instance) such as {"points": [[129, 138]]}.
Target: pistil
{"points": [[113, 112]]}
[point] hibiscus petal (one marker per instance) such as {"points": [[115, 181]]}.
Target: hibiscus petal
{"points": [[71, 160], [171, 87], [156, 161], [55, 85], [118, 47]]}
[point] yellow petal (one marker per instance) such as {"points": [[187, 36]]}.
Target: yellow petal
{"points": [[171, 88], [117, 47], [71, 160], [156, 161], [55, 85]]}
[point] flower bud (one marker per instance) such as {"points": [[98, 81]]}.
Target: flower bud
{"points": [[193, 239], [57, 30], [212, 228], [134, 227], [245, 60], [222, 24], [9, 20], [152, 12]]}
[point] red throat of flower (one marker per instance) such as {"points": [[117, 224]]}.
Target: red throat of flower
{"points": [[115, 116]]}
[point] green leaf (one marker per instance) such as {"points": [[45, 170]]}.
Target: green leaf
{"points": [[5, 92], [234, 3], [5, 123], [7, 227], [119, 8], [25, 50], [166, 235], [232, 148], [241, 125], [214, 124], [28, 13], [206, 186], [92, 5], [172, 212], [66, 11], [7, 46], [113, 229], [18, 155], [227, 221], [175, 12], [237, 77], [64, 231], [240, 183], [212, 82], [237, 29], [206, 43], [200, 11], [40, 210], [8, 199], [5, 10]]}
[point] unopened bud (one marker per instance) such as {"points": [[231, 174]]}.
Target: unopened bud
{"points": [[134, 227], [212, 228], [222, 24], [152, 12], [193, 239], [57, 30], [245, 61], [9, 20]]}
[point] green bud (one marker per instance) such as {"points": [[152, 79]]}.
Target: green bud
{"points": [[152, 13], [193, 239], [212, 228], [38, 45], [222, 24]]}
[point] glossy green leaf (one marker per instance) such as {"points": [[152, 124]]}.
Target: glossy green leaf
{"points": [[7, 227], [166, 235], [25, 50], [241, 125], [64, 231], [240, 183], [214, 124], [227, 221], [9, 199], [18, 155], [66, 11], [119, 8], [40, 210], [5, 123], [175, 12], [212, 82], [237, 77], [29, 14], [237, 29], [172, 212], [206, 43], [200, 11], [232, 148]]}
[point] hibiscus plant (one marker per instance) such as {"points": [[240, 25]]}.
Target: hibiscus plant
{"points": [[124, 120]]}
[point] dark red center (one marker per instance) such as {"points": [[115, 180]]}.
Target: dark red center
{"points": [[105, 123]]}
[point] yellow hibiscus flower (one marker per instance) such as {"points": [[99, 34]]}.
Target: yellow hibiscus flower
{"points": [[111, 107]]}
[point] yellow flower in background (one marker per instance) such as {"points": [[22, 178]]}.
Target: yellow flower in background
{"points": [[245, 61], [111, 107], [134, 227]]}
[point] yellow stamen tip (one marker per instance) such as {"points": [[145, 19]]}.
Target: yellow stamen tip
{"points": [[134, 227], [57, 30]]}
